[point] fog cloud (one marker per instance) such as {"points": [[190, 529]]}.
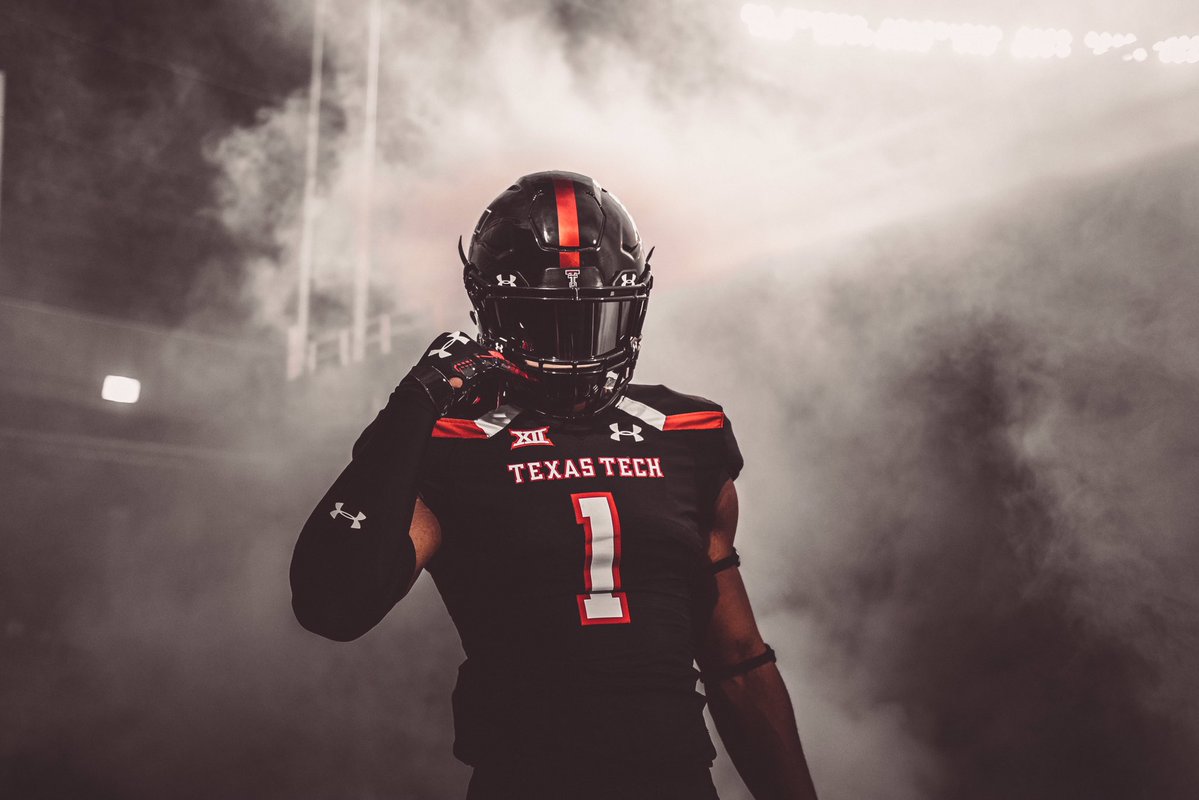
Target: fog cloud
{"points": [[949, 305]]}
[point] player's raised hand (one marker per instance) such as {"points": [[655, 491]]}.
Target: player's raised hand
{"points": [[454, 366]]}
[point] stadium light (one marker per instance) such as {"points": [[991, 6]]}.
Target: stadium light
{"points": [[895, 35], [119, 389], [1100, 43], [1178, 50], [1042, 43]]}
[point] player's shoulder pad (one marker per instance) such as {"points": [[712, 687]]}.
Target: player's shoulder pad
{"points": [[666, 409], [475, 423]]}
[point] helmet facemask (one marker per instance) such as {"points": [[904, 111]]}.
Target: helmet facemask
{"points": [[579, 345]]}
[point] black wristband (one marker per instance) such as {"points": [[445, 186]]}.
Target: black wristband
{"points": [[728, 562], [724, 673], [436, 385]]}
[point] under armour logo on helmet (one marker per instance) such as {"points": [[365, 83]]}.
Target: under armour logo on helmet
{"points": [[626, 279], [355, 519], [617, 432], [505, 280], [444, 351]]}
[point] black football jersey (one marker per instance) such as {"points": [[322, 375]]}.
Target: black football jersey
{"points": [[574, 564]]}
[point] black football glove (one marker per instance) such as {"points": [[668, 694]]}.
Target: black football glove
{"points": [[456, 355]]}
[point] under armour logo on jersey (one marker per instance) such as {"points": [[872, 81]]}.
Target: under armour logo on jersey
{"points": [[505, 280], [355, 519], [527, 438], [617, 432], [627, 279], [572, 275], [444, 351]]}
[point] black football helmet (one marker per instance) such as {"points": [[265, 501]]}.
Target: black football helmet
{"points": [[560, 282]]}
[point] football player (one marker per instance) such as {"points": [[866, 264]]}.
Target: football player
{"points": [[578, 527]]}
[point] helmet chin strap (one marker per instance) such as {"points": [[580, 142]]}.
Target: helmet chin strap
{"points": [[606, 394], [612, 391]]}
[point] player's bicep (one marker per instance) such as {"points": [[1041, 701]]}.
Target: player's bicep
{"points": [[724, 523], [732, 634], [425, 532]]}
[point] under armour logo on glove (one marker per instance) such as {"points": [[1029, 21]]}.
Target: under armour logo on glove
{"points": [[456, 355], [617, 432], [469, 358], [355, 519], [457, 337]]}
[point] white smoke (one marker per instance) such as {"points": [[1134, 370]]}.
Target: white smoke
{"points": [[947, 304]]}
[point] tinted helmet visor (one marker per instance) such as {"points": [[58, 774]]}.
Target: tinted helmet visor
{"points": [[569, 330]]}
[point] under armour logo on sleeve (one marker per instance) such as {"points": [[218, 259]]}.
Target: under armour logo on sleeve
{"points": [[355, 519]]}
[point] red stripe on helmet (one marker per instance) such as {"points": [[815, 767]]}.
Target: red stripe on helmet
{"points": [[449, 428], [568, 221], [694, 421]]}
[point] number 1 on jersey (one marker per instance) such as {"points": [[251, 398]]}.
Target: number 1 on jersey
{"points": [[603, 603]]}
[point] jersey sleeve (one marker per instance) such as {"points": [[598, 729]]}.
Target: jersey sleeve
{"points": [[730, 458], [717, 448], [440, 483], [717, 455]]}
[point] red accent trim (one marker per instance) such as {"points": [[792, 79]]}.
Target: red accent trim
{"points": [[694, 421], [588, 549], [457, 429], [568, 221]]}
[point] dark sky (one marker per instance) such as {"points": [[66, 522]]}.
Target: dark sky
{"points": [[109, 106]]}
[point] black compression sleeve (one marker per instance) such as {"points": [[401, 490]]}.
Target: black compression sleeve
{"points": [[354, 559]]}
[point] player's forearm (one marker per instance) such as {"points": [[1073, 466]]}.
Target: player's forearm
{"points": [[755, 720], [354, 559]]}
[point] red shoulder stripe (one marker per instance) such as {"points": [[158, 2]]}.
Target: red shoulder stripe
{"points": [[457, 429], [694, 421]]}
